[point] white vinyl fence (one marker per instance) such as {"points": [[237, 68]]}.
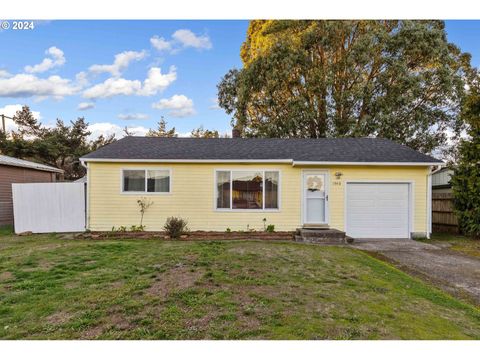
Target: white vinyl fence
{"points": [[49, 207]]}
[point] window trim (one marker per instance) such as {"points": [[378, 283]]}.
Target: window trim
{"points": [[231, 209], [145, 169]]}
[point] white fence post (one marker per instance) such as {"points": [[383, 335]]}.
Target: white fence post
{"points": [[49, 207]]}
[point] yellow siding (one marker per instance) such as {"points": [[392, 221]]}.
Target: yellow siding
{"points": [[192, 196]]}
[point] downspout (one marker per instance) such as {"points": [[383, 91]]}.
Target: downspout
{"points": [[429, 201], [87, 195]]}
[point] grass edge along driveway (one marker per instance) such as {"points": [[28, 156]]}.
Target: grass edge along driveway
{"points": [[459, 243]]}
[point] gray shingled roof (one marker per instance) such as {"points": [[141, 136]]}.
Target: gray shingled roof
{"points": [[331, 150], [11, 161]]}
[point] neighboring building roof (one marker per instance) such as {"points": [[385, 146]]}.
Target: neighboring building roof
{"points": [[441, 178], [341, 150], [83, 179], [11, 161], [442, 170]]}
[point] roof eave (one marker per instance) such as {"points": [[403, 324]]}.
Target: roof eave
{"points": [[55, 170], [276, 161], [207, 161], [367, 163]]}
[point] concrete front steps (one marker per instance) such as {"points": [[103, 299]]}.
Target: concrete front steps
{"points": [[322, 236]]}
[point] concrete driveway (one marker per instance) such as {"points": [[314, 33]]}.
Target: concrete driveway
{"points": [[455, 273]]}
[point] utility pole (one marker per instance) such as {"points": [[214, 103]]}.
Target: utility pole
{"points": [[3, 121]]}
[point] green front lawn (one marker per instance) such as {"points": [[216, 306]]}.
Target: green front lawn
{"points": [[153, 289], [459, 243]]}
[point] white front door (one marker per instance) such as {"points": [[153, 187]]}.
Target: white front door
{"points": [[314, 198]]}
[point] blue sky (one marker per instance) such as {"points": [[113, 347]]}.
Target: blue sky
{"points": [[168, 68]]}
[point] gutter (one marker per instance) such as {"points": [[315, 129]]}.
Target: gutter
{"points": [[365, 163], [204, 161], [259, 161], [87, 195], [429, 201]]}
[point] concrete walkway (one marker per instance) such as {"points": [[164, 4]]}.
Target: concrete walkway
{"points": [[456, 273]]}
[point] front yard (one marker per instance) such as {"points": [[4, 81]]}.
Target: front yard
{"points": [[154, 289]]}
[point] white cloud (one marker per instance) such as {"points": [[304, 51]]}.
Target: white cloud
{"points": [[107, 129], [182, 38], [56, 58], [10, 111], [121, 62], [188, 39], [133, 116], [86, 105], [27, 85], [4, 74], [155, 82], [112, 87], [179, 106], [160, 43], [82, 79]]}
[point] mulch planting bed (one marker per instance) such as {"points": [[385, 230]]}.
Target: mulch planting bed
{"points": [[193, 235]]}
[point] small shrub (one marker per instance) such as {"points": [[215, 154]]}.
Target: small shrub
{"points": [[175, 227], [143, 204], [119, 229], [270, 228], [137, 228], [229, 230]]}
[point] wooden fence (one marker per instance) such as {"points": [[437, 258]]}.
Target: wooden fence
{"points": [[443, 216]]}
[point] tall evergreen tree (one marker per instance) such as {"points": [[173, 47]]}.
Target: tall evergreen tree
{"points": [[60, 146], [200, 132], [466, 177], [400, 80], [161, 130]]}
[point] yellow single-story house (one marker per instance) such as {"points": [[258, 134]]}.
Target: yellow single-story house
{"points": [[367, 187]]}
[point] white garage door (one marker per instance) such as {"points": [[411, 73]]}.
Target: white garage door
{"points": [[377, 210]]}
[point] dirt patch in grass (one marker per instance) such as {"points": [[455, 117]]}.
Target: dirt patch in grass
{"points": [[173, 280], [72, 285], [59, 318], [7, 275], [114, 321], [117, 284], [45, 265], [200, 324], [93, 332], [47, 247], [119, 322], [42, 265]]}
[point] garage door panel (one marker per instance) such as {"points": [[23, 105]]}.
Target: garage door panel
{"points": [[391, 213], [377, 210], [390, 203], [360, 196]]}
